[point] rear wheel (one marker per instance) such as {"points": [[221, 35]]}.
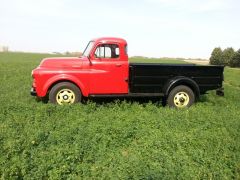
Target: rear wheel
{"points": [[65, 93], [181, 97]]}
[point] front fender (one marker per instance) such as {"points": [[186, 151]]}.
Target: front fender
{"points": [[63, 77], [181, 80]]}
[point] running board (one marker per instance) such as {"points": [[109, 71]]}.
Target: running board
{"points": [[129, 95]]}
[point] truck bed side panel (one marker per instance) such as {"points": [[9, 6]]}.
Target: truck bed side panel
{"points": [[150, 78]]}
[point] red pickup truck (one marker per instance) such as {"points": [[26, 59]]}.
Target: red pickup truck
{"points": [[104, 71]]}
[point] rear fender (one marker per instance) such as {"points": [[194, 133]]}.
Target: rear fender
{"points": [[181, 80]]}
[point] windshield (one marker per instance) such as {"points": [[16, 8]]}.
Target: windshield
{"points": [[88, 48]]}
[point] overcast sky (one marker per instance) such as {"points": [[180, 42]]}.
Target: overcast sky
{"points": [[153, 28]]}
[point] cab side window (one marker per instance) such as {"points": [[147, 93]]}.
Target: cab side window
{"points": [[107, 51]]}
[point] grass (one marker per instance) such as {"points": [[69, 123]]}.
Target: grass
{"points": [[233, 75], [118, 139], [157, 60]]}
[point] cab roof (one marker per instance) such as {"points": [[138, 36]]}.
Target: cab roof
{"points": [[110, 40]]}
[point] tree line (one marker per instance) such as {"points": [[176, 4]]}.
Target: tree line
{"points": [[227, 57]]}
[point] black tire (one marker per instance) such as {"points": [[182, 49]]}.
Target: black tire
{"points": [[181, 97], [65, 89]]}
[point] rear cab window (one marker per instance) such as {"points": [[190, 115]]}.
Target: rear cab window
{"points": [[126, 49]]}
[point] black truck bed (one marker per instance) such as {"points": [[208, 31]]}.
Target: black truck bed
{"points": [[152, 78]]}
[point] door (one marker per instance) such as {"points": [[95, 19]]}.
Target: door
{"points": [[109, 74]]}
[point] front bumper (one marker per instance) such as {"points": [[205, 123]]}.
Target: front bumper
{"points": [[33, 92]]}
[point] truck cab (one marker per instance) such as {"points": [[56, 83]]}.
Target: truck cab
{"points": [[108, 62], [104, 71]]}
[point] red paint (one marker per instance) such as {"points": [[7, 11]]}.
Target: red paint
{"points": [[91, 74]]}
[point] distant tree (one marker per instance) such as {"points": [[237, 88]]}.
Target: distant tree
{"points": [[216, 56], [235, 61], [67, 53], [227, 55]]}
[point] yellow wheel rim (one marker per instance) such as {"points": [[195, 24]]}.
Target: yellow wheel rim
{"points": [[181, 99], [65, 96]]}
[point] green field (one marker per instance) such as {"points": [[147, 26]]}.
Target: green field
{"points": [[157, 60], [115, 139]]}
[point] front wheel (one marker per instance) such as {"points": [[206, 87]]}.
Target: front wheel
{"points": [[181, 97], [65, 93]]}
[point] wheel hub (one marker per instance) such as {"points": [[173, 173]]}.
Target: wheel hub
{"points": [[65, 96], [181, 99]]}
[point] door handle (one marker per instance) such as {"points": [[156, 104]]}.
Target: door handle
{"points": [[118, 65]]}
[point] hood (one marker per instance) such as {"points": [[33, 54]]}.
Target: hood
{"points": [[62, 62]]}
